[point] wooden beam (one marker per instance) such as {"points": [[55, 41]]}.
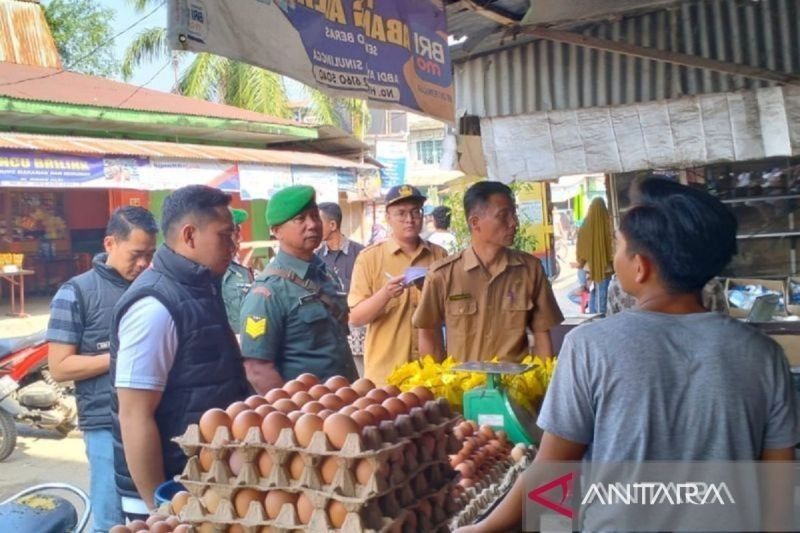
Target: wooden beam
{"points": [[666, 56]]}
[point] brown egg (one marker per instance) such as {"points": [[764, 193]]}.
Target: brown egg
{"points": [[363, 386], [318, 391], [210, 421], [119, 529], [275, 500], [309, 380], [276, 394], [395, 407], [379, 395], [425, 508], [337, 427], [235, 462], [179, 501], [465, 427], [331, 401], [242, 499], [328, 469], [255, 400], [364, 419], [306, 427], [182, 528], [285, 405], [410, 399], [347, 394], [337, 382], [153, 518], [264, 464], [348, 410], [296, 466], [312, 407], [211, 499], [294, 416], [273, 424], [423, 393], [138, 525], [236, 528], [487, 432], [466, 482], [336, 513], [206, 459], [160, 527], [293, 387], [305, 508], [265, 409], [474, 425], [391, 390], [379, 412], [466, 470], [325, 413], [301, 398], [243, 422], [363, 403], [364, 471], [235, 408]]}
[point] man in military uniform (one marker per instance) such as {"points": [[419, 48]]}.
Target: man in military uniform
{"points": [[379, 297], [294, 319], [238, 278], [489, 295]]}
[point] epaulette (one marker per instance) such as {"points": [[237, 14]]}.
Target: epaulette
{"points": [[436, 265]]}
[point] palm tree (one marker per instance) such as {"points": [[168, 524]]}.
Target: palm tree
{"points": [[219, 79]]}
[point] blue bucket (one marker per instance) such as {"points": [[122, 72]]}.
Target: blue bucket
{"points": [[166, 491]]}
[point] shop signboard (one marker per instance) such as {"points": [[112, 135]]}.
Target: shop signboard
{"points": [[392, 53], [393, 156], [325, 181], [164, 174], [260, 182], [30, 168]]}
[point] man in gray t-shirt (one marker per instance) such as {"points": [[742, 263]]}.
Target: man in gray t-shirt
{"points": [[667, 381]]}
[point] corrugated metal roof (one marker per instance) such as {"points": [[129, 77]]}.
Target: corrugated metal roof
{"points": [[544, 75], [25, 36], [63, 87], [93, 146]]}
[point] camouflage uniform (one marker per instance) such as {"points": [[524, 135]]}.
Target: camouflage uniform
{"points": [[235, 285]]}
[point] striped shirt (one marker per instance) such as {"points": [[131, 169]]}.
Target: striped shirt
{"points": [[66, 323]]}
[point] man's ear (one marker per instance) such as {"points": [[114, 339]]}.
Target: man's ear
{"points": [[108, 243], [187, 234], [644, 268]]}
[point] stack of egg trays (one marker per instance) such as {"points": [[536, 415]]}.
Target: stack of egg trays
{"points": [[399, 496]]}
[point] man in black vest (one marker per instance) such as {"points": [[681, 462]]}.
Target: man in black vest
{"points": [[78, 331], [173, 353]]}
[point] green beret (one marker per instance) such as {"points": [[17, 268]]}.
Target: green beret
{"points": [[288, 203], [239, 216]]}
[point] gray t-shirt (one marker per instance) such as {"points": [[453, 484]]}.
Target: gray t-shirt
{"points": [[643, 386]]}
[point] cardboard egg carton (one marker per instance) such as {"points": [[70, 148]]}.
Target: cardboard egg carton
{"points": [[360, 518]]}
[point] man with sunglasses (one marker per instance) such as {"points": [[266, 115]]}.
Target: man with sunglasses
{"points": [[379, 297]]}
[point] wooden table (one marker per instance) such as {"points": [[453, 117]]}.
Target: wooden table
{"points": [[17, 279]]}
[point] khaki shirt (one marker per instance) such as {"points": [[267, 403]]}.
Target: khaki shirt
{"points": [[391, 341], [484, 316]]}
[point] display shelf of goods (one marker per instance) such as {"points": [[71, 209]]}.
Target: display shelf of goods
{"points": [[311, 456], [526, 389]]}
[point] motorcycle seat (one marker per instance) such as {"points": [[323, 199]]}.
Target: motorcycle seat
{"points": [[15, 344]]}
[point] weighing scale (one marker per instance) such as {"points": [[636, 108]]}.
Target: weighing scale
{"points": [[491, 405]]}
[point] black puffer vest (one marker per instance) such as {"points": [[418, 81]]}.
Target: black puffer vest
{"points": [[97, 291], [207, 371]]}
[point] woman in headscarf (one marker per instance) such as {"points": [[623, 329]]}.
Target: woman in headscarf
{"points": [[595, 253]]}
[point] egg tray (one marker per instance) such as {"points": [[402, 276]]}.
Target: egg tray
{"points": [[435, 417], [400, 504], [479, 501], [436, 474]]}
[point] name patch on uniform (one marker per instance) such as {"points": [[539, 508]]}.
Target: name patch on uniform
{"points": [[255, 327], [457, 297], [262, 291]]}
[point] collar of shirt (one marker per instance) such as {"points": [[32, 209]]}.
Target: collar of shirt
{"points": [[471, 260], [298, 266], [344, 244], [393, 247]]}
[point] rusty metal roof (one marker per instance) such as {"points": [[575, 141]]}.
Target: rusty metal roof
{"points": [[94, 146], [25, 36], [63, 87]]}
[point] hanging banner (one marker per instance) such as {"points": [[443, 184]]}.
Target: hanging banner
{"points": [[394, 53], [260, 182], [325, 181], [392, 155], [30, 168], [169, 174]]}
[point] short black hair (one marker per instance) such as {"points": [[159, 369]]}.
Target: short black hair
{"points": [[686, 232], [332, 211], [441, 217], [477, 196], [198, 200], [127, 218]]}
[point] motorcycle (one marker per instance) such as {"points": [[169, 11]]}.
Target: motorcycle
{"points": [[29, 394], [35, 509]]}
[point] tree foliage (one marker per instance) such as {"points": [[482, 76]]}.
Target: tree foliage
{"points": [[83, 35]]}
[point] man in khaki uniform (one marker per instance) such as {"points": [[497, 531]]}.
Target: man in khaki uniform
{"points": [[378, 295], [489, 295]]}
